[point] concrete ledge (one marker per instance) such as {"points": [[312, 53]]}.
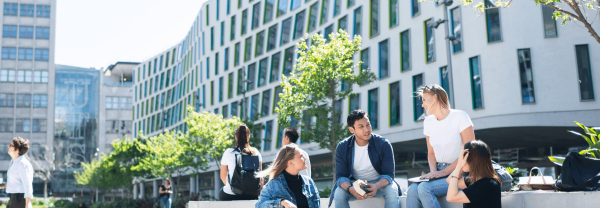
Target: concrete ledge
{"points": [[521, 199]]}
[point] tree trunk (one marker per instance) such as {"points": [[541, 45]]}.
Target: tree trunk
{"points": [[333, 143], [45, 191]]}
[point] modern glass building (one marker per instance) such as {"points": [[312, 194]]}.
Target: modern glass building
{"points": [[523, 83]]}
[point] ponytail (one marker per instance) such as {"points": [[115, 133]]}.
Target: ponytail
{"points": [[242, 134]]}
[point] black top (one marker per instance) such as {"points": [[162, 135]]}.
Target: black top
{"points": [[295, 184], [483, 193], [163, 188]]}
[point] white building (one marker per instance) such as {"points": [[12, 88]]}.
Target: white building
{"points": [[522, 78]]}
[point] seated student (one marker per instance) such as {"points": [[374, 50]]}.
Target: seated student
{"points": [[291, 135], [287, 188], [368, 157], [482, 187]]}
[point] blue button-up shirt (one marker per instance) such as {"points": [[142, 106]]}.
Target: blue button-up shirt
{"points": [[20, 177]]}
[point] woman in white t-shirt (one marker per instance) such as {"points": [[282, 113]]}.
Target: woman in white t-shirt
{"points": [[242, 137], [446, 131]]}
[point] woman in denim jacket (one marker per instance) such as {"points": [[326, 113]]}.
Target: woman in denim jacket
{"points": [[287, 188]]}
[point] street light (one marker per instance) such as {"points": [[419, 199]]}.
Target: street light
{"points": [[244, 89], [449, 38]]}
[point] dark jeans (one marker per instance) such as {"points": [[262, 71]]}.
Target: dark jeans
{"points": [[17, 201], [227, 197]]}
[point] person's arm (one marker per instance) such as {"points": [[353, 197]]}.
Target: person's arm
{"points": [[268, 200], [160, 190], [223, 174], [454, 195], [341, 175], [27, 182], [461, 182]]}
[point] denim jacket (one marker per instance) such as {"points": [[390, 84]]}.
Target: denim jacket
{"points": [[380, 153], [277, 189]]}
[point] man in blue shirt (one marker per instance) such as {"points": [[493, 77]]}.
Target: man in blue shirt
{"points": [[368, 157]]}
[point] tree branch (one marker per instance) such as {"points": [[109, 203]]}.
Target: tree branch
{"points": [[560, 10]]}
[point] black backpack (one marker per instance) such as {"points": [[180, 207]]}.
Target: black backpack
{"points": [[579, 173], [242, 181]]}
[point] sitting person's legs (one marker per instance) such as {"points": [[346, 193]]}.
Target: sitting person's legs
{"points": [[390, 194], [342, 197], [425, 194]]}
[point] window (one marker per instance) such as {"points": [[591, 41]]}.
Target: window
{"points": [[384, 59], [272, 39], [236, 55], [492, 17], [38, 125], [248, 48], [222, 33], [244, 21], [212, 90], [350, 3], [212, 38], [476, 92], [394, 13], [25, 54], [7, 100], [225, 111], [234, 109], [299, 24], [25, 32], [42, 11], [343, 24], [112, 103], [269, 9], [255, 15], [357, 22], [40, 101], [127, 102], [266, 103], [9, 53], [275, 59], [23, 100], [364, 58], [41, 54], [24, 76], [251, 76], [586, 85], [27, 10], [327, 32], [550, 29], [288, 61], [42, 33], [313, 14], [112, 127], [11, 9], [268, 135], [415, 7], [281, 7], [263, 66], [23, 125], [324, 12], [260, 44], [220, 89], [456, 29], [228, 6], [230, 85], [445, 81], [374, 18], [217, 11], [7, 75], [373, 108], [226, 60], [405, 50], [216, 63], [9, 31], [232, 28], [6, 125], [207, 14], [429, 41], [395, 104], [255, 107], [277, 96], [286, 26], [353, 103], [295, 4], [240, 82], [419, 112]]}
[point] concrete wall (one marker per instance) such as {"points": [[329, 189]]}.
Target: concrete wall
{"points": [[513, 200]]}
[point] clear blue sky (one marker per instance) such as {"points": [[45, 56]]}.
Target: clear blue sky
{"points": [[101, 32]]}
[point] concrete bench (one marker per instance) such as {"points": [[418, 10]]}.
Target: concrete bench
{"points": [[521, 199]]}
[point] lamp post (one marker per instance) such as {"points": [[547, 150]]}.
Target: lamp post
{"points": [[97, 154], [449, 38], [244, 89]]}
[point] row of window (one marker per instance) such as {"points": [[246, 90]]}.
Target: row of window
{"points": [[23, 76], [24, 100], [115, 127], [25, 54], [26, 10], [22, 125], [10, 31], [113, 103]]}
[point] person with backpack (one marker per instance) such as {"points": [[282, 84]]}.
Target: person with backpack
{"points": [[287, 187], [238, 167]]}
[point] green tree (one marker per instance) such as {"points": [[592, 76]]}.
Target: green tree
{"points": [[567, 10], [313, 88]]}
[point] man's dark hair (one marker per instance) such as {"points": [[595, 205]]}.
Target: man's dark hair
{"points": [[356, 115], [292, 133], [21, 145]]}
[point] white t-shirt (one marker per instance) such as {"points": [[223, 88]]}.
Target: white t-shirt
{"points": [[229, 160], [362, 169], [444, 135]]}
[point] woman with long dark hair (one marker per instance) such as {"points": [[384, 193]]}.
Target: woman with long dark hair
{"points": [[228, 163], [287, 188], [482, 187]]}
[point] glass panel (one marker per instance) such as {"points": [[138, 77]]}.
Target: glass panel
{"points": [[384, 69], [456, 30], [230, 85], [415, 7], [586, 85], [286, 26], [251, 76], [357, 22], [269, 8], [312, 17], [476, 83], [263, 66], [445, 80], [324, 12], [405, 50], [288, 61], [374, 16], [526, 74], [364, 58], [492, 17], [394, 13], [395, 103], [275, 59], [343, 23], [244, 21], [429, 41], [231, 30], [260, 44], [282, 7], [255, 108], [549, 21], [354, 103], [236, 55], [328, 31], [248, 49], [374, 108], [299, 24], [337, 7], [255, 15], [266, 102], [295, 4], [268, 135], [278, 91]]}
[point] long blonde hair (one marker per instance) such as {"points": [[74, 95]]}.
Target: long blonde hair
{"points": [[286, 153], [442, 96]]}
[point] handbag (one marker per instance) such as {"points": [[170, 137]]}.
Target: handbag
{"points": [[536, 182]]}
